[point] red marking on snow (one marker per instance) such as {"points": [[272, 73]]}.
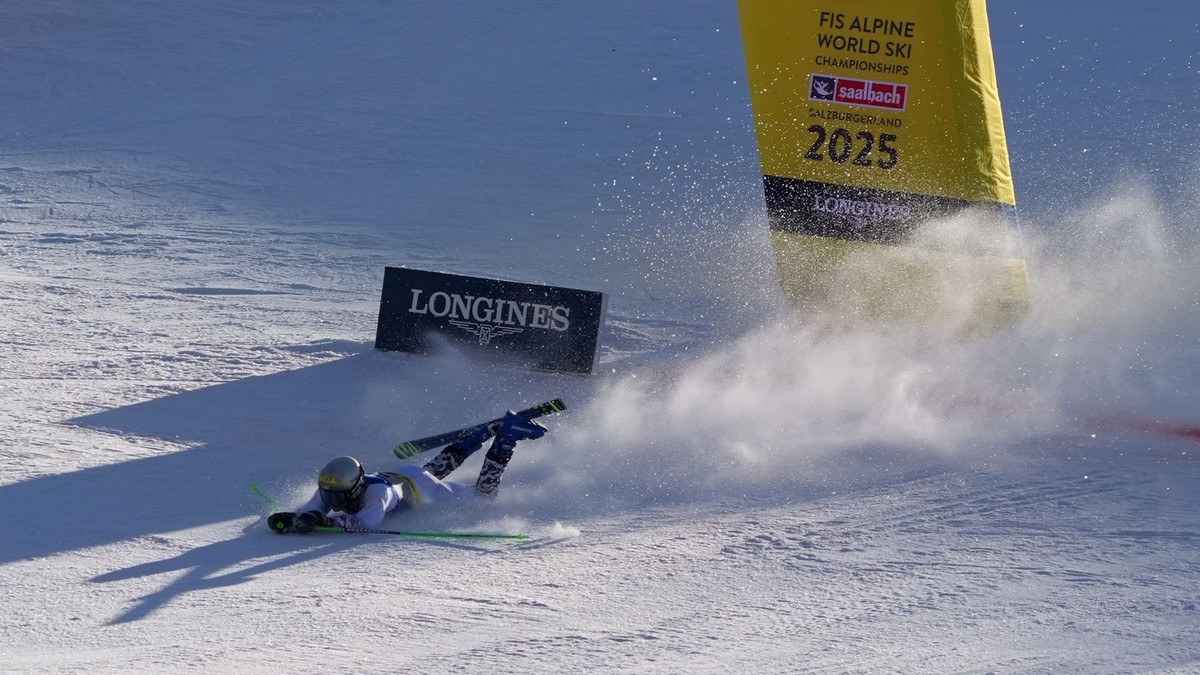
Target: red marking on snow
{"points": [[1153, 426], [953, 402]]}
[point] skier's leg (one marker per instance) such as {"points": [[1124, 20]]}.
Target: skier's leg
{"points": [[452, 456], [514, 428]]}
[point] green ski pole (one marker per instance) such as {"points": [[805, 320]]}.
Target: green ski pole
{"points": [[426, 535], [266, 498], [271, 503]]}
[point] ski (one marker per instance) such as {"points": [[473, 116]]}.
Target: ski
{"points": [[411, 448]]}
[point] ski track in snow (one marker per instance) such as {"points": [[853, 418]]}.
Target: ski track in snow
{"points": [[188, 287]]}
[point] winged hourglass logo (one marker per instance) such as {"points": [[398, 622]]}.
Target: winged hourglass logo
{"points": [[485, 331]]}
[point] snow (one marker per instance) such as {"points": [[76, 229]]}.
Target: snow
{"points": [[197, 202]]}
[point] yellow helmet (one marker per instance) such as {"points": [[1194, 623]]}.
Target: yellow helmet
{"points": [[341, 484]]}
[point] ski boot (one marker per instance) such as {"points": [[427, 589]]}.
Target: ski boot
{"points": [[452, 456], [512, 429]]}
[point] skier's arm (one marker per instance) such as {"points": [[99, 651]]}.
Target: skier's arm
{"points": [[377, 502]]}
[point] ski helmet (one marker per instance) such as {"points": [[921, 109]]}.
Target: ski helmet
{"points": [[341, 484]]}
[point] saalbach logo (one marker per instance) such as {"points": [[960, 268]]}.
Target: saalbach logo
{"points": [[852, 91]]}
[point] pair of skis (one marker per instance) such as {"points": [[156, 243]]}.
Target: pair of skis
{"points": [[412, 448]]}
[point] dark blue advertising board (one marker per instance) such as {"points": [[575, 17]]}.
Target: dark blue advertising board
{"points": [[528, 325]]}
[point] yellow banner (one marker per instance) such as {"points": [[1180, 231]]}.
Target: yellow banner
{"points": [[891, 96], [874, 119]]}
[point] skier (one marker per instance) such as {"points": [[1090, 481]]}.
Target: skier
{"points": [[350, 498]]}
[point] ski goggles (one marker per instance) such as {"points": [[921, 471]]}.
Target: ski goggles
{"points": [[343, 500]]}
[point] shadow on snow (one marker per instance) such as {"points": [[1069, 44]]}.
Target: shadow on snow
{"points": [[275, 430]]}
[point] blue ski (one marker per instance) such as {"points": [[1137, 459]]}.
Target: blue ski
{"points": [[411, 448]]}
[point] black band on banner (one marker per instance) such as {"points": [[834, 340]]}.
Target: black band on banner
{"points": [[857, 214]]}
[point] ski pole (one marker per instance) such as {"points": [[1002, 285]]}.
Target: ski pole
{"points": [[271, 503], [267, 499], [427, 535]]}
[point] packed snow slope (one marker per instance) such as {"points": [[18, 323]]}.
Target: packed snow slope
{"points": [[197, 201]]}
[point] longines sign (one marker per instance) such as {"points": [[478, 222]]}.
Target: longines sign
{"points": [[542, 327]]}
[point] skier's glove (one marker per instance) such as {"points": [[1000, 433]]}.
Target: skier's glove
{"points": [[281, 523], [308, 521]]}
